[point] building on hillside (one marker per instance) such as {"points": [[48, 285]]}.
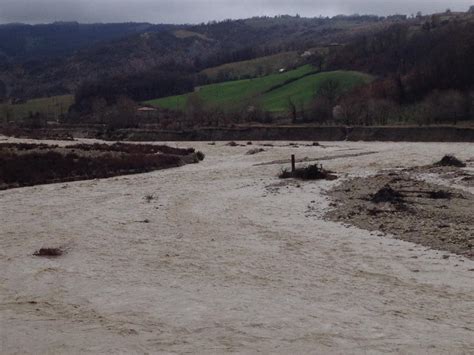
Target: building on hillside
{"points": [[147, 112]]}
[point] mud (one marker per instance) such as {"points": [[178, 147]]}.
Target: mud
{"points": [[232, 259]]}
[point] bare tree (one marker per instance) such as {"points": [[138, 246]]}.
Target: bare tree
{"points": [[292, 109], [194, 110], [329, 89]]}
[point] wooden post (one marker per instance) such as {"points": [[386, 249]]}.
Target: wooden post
{"points": [[293, 163]]}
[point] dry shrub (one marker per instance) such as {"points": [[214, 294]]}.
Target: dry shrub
{"points": [[200, 155], [150, 197], [42, 166], [26, 146], [310, 172], [133, 148], [49, 252]]}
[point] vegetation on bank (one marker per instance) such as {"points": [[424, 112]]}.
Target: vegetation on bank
{"points": [[30, 164]]}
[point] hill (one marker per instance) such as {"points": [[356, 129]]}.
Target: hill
{"points": [[21, 43], [272, 93], [254, 67], [231, 94], [195, 47], [302, 91], [422, 64]]}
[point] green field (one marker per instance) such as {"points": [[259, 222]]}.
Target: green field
{"points": [[303, 90], [51, 107], [232, 95]]}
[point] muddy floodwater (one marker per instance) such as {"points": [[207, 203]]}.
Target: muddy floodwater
{"points": [[223, 256]]}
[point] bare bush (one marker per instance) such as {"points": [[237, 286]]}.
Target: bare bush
{"points": [[49, 252], [310, 172]]}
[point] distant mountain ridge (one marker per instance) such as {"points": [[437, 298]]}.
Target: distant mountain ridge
{"points": [[21, 43], [56, 59]]}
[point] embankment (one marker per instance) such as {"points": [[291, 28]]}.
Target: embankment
{"points": [[308, 133], [336, 133]]}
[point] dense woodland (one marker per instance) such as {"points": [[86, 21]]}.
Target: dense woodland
{"points": [[20, 43], [422, 67]]}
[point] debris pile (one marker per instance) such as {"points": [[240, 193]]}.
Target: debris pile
{"points": [[418, 211], [451, 160], [387, 194], [48, 252], [310, 172]]}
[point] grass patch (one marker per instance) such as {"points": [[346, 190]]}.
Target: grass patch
{"points": [[50, 107], [254, 67]]}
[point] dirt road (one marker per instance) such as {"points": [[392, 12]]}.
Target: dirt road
{"points": [[225, 258]]}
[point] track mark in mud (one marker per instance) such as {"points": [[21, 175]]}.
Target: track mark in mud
{"points": [[306, 159], [58, 311], [276, 187]]}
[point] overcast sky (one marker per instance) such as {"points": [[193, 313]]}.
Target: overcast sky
{"points": [[194, 11]]}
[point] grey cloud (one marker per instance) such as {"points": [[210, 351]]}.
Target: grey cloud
{"points": [[193, 11]]}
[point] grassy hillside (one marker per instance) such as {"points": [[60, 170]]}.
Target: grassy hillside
{"points": [[231, 94], [254, 67], [51, 107], [272, 92], [303, 91]]}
